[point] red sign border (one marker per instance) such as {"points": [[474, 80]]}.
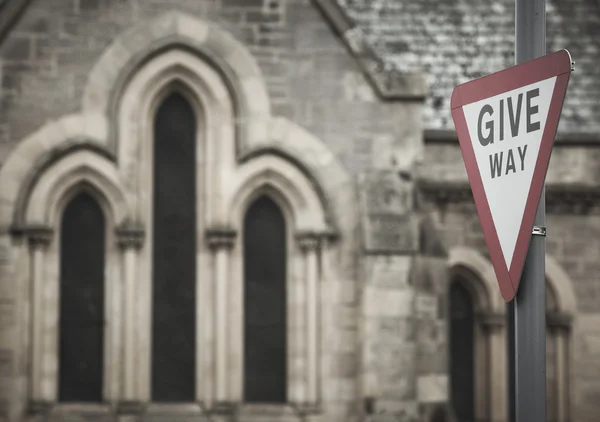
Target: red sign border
{"points": [[556, 64]]}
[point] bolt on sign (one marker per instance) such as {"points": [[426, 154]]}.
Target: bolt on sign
{"points": [[506, 123]]}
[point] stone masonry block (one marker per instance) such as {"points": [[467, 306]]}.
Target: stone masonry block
{"points": [[256, 95], [189, 28], [388, 233], [426, 306], [342, 389], [388, 271], [387, 303], [432, 388]]}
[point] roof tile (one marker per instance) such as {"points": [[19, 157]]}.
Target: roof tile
{"points": [[454, 41]]}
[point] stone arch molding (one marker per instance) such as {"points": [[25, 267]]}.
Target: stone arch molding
{"points": [[37, 150], [556, 277], [485, 286], [79, 169], [214, 46], [250, 152], [240, 89]]}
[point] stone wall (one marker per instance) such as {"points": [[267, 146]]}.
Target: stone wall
{"points": [[573, 222], [403, 317], [311, 77]]}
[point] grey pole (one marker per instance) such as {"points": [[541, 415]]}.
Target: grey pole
{"points": [[530, 302]]}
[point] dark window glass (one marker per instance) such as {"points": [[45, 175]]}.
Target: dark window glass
{"points": [[174, 253], [81, 338], [462, 353], [265, 366]]}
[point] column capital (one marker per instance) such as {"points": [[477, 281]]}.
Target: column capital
{"points": [[560, 321], [130, 236], [38, 236], [492, 320], [308, 241], [220, 237]]}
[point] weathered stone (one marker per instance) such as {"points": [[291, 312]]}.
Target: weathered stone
{"points": [[432, 388], [390, 233]]}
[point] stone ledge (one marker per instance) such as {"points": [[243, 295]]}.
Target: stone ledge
{"points": [[130, 408], [578, 199], [563, 139]]}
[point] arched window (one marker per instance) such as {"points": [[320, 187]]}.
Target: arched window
{"points": [[174, 252], [265, 355], [462, 352], [81, 312]]}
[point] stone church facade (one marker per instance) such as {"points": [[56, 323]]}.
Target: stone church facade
{"points": [[249, 210]]}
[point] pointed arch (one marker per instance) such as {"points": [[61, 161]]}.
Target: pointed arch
{"points": [[265, 302], [174, 265], [78, 197], [481, 327], [235, 66], [62, 179], [285, 183], [81, 332], [482, 281], [33, 154]]}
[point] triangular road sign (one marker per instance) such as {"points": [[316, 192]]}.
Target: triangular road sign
{"points": [[506, 123]]}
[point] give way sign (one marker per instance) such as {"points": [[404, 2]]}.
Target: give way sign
{"points": [[506, 123]]}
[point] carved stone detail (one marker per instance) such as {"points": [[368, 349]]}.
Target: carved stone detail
{"points": [[308, 241], [559, 321], [221, 237], [38, 236], [130, 236], [492, 320]]}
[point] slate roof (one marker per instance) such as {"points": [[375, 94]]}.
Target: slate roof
{"points": [[454, 41], [451, 42]]}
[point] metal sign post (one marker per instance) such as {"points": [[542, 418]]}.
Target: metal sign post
{"points": [[530, 301]]}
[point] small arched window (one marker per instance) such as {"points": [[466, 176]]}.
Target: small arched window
{"points": [[462, 356], [174, 252], [265, 349], [81, 312]]}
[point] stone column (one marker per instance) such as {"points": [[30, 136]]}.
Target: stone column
{"points": [[221, 242], [39, 239], [130, 240], [494, 327], [310, 245], [560, 325]]}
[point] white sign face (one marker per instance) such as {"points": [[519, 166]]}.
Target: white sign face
{"points": [[506, 132]]}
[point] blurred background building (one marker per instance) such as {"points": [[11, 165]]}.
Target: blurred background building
{"points": [[257, 210]]}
